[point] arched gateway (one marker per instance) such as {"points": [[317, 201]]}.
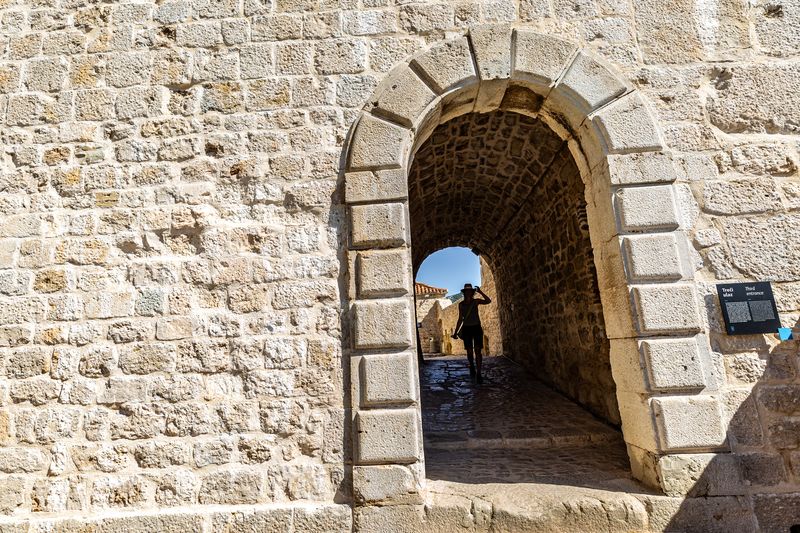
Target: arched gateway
{"points": [[659, 353]]}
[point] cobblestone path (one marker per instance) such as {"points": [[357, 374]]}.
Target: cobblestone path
{"points": [[512, 429]]}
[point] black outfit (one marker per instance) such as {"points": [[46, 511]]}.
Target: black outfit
{"points": [[471, 331], [472, 336]]}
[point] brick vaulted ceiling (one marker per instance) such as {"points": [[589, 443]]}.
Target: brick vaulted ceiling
{"points": [[473, 175]]}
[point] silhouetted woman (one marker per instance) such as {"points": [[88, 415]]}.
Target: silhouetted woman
{"points": [[471, 332]]}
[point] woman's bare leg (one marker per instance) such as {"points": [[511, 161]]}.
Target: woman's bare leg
{"points": [[479, 360], [471, 360]]}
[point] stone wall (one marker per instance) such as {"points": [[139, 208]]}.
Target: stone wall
{"points": [[172, 228], [490, 314], [429, 315], [506, 185]]}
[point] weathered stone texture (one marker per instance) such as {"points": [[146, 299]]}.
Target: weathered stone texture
{"points": [[172, 232]]}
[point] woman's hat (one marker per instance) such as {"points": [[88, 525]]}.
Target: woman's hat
{"points": [[468, 287]]}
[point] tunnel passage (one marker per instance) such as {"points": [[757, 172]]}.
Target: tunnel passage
{"points": [[506, 186]]}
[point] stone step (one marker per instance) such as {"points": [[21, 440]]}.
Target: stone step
{"points": [[534, 508], [525, 439]]}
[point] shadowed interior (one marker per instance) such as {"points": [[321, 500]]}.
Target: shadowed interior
{"points": [[506, 186]]}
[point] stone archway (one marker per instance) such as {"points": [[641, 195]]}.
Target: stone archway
{"points": [[659, 353]]}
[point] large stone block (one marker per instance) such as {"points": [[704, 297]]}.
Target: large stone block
{"points": [[377, 144], [380, 185], [492, 47], [653, 258], [638, 424], [395, 518], [587, 85], [447, 65], [701, 474], [689, 422], [540, 59], [269, 519], [627, 366], [322, 518], [650, 208], [674, 364], [378, 225], [757, 246], [382, 324], [724, 514], [402, 98], [387, 436], [387, 379], [641, 168], [757, 99], [627, 126], [778, 512], [668, 308], [383, 273], [372, 484]]}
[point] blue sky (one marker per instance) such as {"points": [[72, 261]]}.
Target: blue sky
{"points": [[450, 269]]}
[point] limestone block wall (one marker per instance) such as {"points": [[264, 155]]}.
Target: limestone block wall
{"points": [[172, 232]]}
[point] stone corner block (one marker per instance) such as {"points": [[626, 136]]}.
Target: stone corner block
{"points": [[638, 427], [689, 422], [374, 186], [385, 518], [447, 65], [653, 257], [588, 84], [492, 47], [383, 273], [627, 367], [387, 379], [387, 436], [627, 126], [642, 168], [385, 483], [402, 97], [649, 208], [721, 474], [540, 59], [382, 324], [666, 309], [378, 225], [674, 364], [377, 144]]}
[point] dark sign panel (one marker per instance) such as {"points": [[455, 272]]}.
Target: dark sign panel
{"points": [[748, 308]]}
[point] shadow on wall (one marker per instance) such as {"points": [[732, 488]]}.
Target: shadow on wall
{"points": [[754, 488], [341, 419]]}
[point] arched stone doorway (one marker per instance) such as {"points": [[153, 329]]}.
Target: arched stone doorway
{"points": [[658, 354]]}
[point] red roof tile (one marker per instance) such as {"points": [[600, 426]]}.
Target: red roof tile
{"points": [[422, 289]]}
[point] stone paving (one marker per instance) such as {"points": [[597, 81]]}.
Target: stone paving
{"points": [[512, 429]]}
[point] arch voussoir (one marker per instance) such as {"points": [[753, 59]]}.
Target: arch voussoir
{"points": [[402, 98], [378, 144], [539, 60], [447, 66]]}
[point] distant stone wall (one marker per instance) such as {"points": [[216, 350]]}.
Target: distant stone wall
{"points": [[429, 316], [490, 314]]}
